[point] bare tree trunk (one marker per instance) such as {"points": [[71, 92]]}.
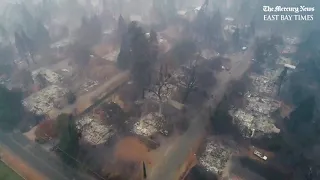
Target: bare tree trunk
{"points": [[160, 107]]}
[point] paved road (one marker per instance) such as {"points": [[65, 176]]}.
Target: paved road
{"points": [[38, 158], [177, 155]]}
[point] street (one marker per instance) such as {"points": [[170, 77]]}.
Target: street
{"points": [[38, 158], [167, 169]]}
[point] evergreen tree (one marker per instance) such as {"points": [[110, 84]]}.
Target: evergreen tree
{"points": [[124, 60], [217, 26], [68, 139], [11, 108], [303, 113], [153, 40], [236, 38], [122, 26], [141, 56]]}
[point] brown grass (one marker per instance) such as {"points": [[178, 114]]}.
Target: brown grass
{"points": [[132, 149]]}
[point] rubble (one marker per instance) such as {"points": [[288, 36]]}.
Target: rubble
{"points": [[112, 56], [89, 85], [230, 28], [262, 105], [253, 125], [263, 84], [255, 119], [292, 41], [289, 49], [216, 155], [93, 131], [150, 124], [50, 76], [44, 101]]}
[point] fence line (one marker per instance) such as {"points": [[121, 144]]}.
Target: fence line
{"points": [[6, 164]]}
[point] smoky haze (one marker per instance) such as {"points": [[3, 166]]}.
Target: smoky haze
{"points": [[228, 88]]}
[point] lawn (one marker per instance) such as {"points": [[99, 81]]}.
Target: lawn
{"points": [[7, 174]]}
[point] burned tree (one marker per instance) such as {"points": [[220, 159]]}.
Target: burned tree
{"points": [[160, 85], [189, 79]]}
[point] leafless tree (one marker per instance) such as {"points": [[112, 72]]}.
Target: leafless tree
{"points": [[189, 79], [161, 85]]}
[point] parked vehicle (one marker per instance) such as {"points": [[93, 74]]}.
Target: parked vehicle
{"points": [[260, 155]]}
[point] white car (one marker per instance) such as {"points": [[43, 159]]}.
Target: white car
{"points": [[260, 155]]}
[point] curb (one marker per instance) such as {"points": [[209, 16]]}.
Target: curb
{"points": [[12, 169]]}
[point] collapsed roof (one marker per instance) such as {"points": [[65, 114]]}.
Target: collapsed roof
{"points": [[150, 124], [216, 155], [94, 131], [44, 101]]}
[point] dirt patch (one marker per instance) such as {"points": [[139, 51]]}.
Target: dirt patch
{"points": [[101, 69], [132, 149], [102, 49], [20, 167], [31, 134]]}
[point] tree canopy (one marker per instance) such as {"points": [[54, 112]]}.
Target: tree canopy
{"points": [[69, 137], [138, 52], [11, 108]]}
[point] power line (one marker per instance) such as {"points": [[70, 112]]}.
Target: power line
{"points": [[76, 160]]}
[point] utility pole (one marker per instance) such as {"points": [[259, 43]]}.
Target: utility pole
{"points": [[144, 170]]}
